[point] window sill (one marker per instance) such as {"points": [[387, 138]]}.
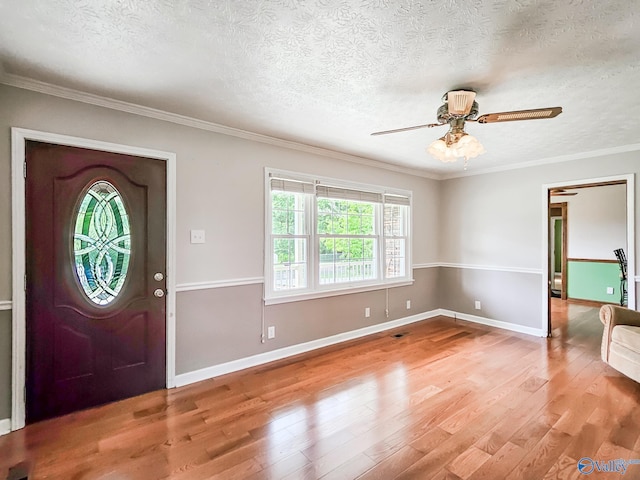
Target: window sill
{"points": [[333, 293]]}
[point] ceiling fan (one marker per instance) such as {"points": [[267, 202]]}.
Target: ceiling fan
{"points": [[460, 107], [561, 192]]}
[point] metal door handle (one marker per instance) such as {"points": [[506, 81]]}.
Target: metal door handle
{"points": [[158, 277], [158, 292]]}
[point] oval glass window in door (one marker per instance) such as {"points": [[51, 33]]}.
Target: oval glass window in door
{"points": [[102, 243]]}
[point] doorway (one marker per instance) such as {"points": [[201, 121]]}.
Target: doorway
{"points": [[95, 282], [558, 248], [626, 210], [84, 296]]}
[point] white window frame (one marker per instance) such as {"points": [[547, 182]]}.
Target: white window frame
{"points": [[314, 289]]}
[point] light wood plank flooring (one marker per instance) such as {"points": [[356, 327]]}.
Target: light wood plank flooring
{"points": [[448, 400]]}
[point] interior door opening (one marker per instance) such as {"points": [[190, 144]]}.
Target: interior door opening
{"points": [[586, 223]]}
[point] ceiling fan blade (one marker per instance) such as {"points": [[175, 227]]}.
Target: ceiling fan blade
{"points": [[534, 114], [561, 192], [428, 125]]}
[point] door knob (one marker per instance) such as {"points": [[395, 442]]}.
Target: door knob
{"points": [[158, 277], [158, 292]]}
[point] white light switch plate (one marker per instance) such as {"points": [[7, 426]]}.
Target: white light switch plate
{"points": [[197, 236]]}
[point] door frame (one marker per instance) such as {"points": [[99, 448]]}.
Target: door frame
{"points": [[563, 260], [631, 236], [19, 136]]}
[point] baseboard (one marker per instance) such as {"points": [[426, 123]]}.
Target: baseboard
{"points": [[5, 426], [590, 303], [262, 358], [536, 332]]}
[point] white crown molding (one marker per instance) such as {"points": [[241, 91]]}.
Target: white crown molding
{"points": [[92, 99], [494, 268], [545, 161], [6, 305], [279, 354]]}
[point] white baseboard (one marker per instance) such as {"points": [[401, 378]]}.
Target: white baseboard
{"points": [[262, 358], [5, 426], [536, 332], [242, 363]]}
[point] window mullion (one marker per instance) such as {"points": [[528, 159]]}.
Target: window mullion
{"points": [[314, 256], [381, 242]]}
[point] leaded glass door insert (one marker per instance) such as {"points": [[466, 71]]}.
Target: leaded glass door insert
{"points": [[102, 243]]}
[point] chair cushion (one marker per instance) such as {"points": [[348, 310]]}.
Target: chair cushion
{"points": [[627, 336]]}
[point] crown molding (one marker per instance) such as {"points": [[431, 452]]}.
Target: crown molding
{"points": [[545, 161], [111, 103]]}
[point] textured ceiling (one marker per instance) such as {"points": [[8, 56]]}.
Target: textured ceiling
{"points": [[327, 73]]}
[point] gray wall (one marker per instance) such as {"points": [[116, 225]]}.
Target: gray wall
{"points": [[224, 324], [462, 222], [511, 297], [597, 222], [5, 364], [214, 325], [495, 221]]}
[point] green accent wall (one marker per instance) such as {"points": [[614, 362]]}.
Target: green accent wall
{"points": [[589, 281]]}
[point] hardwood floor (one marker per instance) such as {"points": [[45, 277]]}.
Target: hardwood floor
{"points": [[448, 400]]}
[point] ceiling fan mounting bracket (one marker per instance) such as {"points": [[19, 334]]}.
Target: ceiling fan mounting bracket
{"points": [[444, 116]]}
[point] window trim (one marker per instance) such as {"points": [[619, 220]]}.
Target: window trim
{"points": [[314, 289]]}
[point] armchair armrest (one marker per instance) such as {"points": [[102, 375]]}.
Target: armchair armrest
{"points": [[610, 316]]}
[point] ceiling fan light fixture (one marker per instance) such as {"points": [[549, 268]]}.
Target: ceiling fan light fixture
{"points": [[459, 102], [465, 146]]}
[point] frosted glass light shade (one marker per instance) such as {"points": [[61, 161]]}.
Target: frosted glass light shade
{"points": [[467, 147]]}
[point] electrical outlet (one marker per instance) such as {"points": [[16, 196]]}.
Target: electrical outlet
{"points": [[609, 290], [478, 305], [367, 312], [408, 304], [271, 332], [197, 236]]}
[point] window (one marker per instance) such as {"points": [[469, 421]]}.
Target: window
{"points": [[102, 243], [325, 235]]}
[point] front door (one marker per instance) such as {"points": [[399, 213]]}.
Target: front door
{"points": [[95, 283]]}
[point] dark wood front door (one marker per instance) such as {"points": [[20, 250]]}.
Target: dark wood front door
{"points": [[95, 263]]}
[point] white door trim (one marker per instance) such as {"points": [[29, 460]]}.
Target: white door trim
{"points": [[18, 138], [631, 236]]}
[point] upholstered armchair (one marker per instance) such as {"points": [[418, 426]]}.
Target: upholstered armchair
{"points": [[621, 339]]}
